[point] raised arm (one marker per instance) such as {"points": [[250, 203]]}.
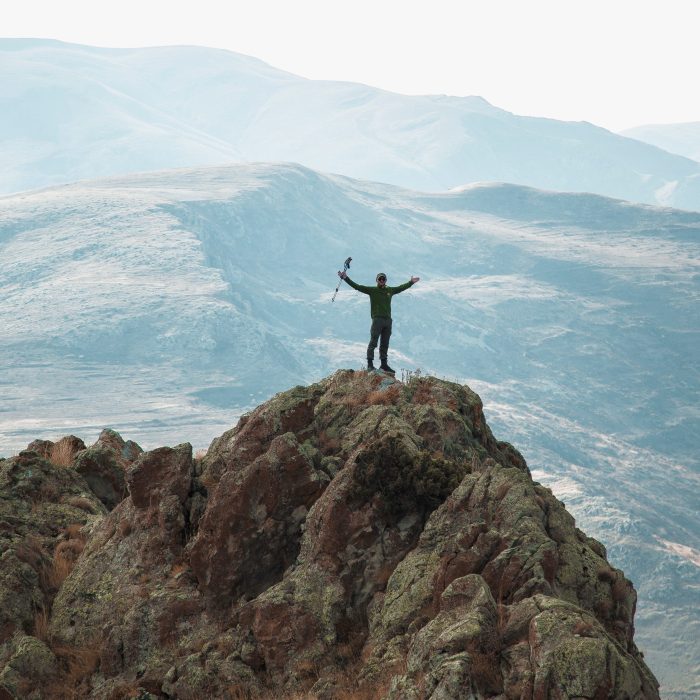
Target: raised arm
{"points": [[360, 287], [405, 285]]}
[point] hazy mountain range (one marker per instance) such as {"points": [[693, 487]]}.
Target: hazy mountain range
{"points": [[71, 112], [163, 305], [683, 139]]}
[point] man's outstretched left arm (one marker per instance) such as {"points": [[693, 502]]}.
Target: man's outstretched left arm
{"points": [[405, 285]]}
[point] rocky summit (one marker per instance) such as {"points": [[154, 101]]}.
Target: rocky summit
{"points": [[361, 537]]}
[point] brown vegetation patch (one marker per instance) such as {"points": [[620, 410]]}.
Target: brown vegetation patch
{"points": [[178, 568], [584, 629], [362, 385], [307, 672], [31, 551], [502, 490], [503, 613], [348, 684], [61, 453], [65, 555], [74, 532], [421, 391], [69, 549], [209, 480], [48, 491], [486, 673], [619, 589], [239, 692], [124, 690], [366, 692], [57, 573], [41, 625], [384, 397], [124, 528], [77, 665], [80, 502]]}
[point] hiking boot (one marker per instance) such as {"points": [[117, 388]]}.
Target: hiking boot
{"points": [[370, 365], [384, 366]]}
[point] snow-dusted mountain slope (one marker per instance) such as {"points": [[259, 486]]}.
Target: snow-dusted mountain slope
{"points": [[163, 305], [683, 139], [70, 112]]}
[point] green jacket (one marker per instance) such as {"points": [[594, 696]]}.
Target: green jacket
{"points": [[380, 299]]}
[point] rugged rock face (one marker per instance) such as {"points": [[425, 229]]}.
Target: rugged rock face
{"points": [[358, 538]]}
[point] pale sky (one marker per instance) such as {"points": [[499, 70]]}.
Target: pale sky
{"points": [[616, 63]]}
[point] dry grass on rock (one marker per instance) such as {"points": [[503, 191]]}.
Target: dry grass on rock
{"points": [[65, 556], [82, 503], [62, 453], [77, 665], [583, 629], [41, 624], [384, 397]]}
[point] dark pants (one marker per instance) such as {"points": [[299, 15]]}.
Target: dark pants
{"points": [[381, 328]]}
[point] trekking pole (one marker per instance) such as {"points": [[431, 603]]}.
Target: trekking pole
{"points": [[346, 267]]}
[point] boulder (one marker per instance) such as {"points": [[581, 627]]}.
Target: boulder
{"points": [[104, 476], [125, 452], [104, 465], [254, 519]]}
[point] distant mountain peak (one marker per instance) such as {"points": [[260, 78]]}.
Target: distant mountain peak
{"points": [[682, 138], [73, 112]]}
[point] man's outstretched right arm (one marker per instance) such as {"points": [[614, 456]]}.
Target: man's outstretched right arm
{"points": [[360, 287]]}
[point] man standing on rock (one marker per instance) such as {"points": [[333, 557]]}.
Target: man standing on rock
{"points": [[380, 307]]}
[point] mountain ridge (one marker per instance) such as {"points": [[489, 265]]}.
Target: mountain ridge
{"points": [[193, 106], [682, 138]]}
